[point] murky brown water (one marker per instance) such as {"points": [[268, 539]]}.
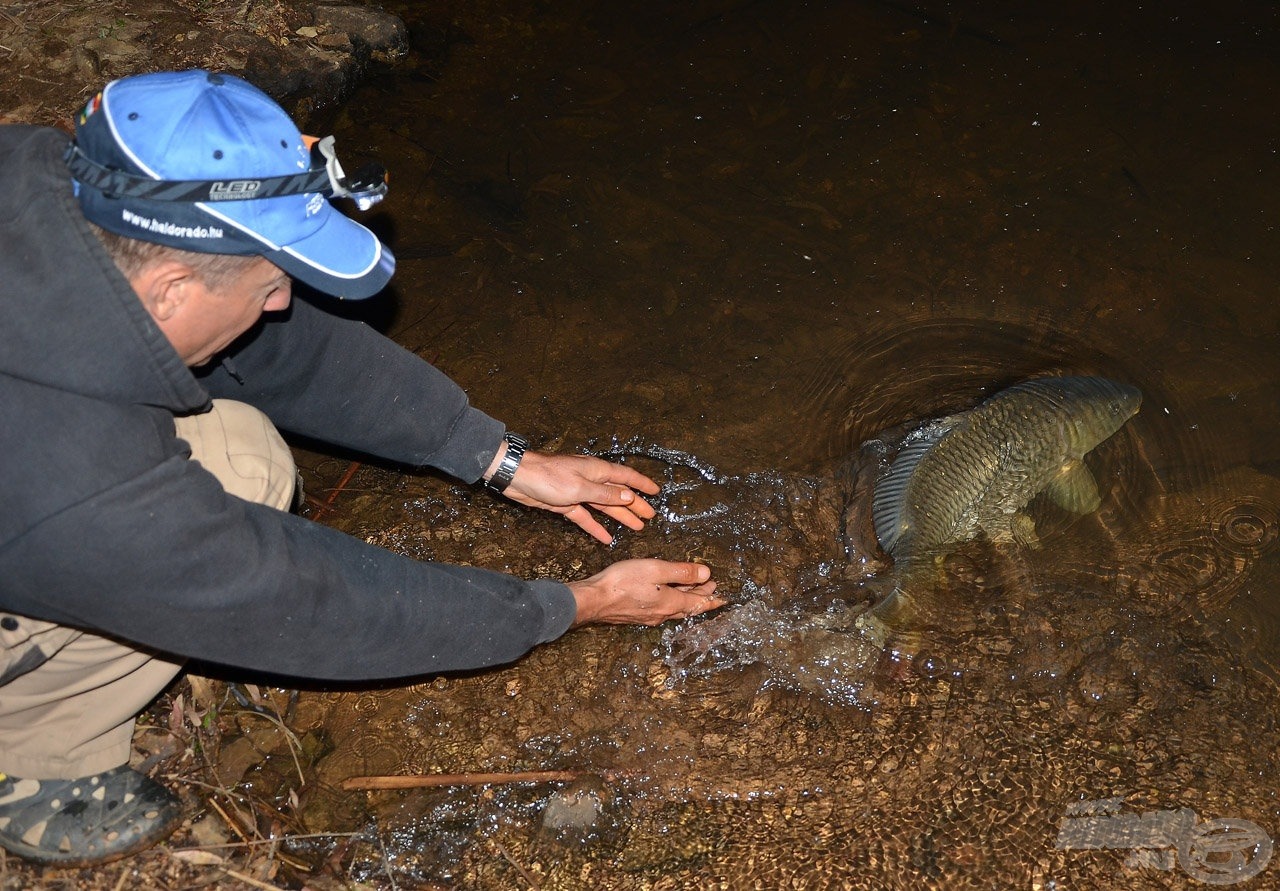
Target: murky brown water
{"points": [[757, 234]]}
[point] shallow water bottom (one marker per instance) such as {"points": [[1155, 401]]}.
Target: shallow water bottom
{"points": [[730, 243]]}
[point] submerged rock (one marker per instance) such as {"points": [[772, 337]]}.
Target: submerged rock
{"points": [[578, 813]]}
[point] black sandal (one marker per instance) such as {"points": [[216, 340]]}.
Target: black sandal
{"points": [[85, 821]]}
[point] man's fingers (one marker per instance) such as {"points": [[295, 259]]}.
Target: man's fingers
{"points": [[582, 518], [623, 515], [706, 605], [632, 478], [688, 574], [608, 496], [703, 601], [642, 509], [694, 602]]}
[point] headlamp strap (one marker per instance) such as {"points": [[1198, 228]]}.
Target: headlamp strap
{"points": [[328, 180]]}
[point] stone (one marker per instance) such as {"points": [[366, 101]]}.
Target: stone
{"points": [[382, 35]]}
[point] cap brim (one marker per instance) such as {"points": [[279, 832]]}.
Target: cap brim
{"points": [[356, 264]]}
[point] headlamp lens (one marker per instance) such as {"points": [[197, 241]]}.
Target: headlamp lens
{"points": [[366, 187]]}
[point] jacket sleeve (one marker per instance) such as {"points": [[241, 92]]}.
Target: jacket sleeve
{"points": [[341, 382], [169, 561]]}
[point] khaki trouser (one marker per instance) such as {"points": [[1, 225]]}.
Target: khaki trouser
{"points": [[68, 698]]}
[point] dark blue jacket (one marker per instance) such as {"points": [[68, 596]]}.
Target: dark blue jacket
{"points": [[106, 525]]}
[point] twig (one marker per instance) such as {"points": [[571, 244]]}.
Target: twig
{"points": [[250, 819], [266, 869], [249, 880], [234, 825], [418, 781], [324, 507], [294, 744], [342, 483], [249, 842], [124, 875], [524, 873], [386, 861]]}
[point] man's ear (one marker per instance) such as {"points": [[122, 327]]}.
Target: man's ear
{"points": [[164, 286]]}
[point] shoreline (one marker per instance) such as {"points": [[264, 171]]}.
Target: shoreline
{"points": [[308, 56]]}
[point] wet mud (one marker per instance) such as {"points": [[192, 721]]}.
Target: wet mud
{"points": [[728, 244]]}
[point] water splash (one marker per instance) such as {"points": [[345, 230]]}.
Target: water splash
{"points": [[781, 539], [675, 489], [823, 653], [637, 447]]}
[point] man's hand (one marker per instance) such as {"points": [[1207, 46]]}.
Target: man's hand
{"points": [[570, 484], [645, 592]]}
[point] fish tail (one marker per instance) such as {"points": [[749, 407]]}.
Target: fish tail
{"points": [[893, 624]]}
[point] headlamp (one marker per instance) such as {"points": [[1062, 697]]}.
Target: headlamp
{"points": [[366, 187]]}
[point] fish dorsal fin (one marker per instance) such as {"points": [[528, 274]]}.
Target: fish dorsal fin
{"points": [[888, 506], [1074, 489]]}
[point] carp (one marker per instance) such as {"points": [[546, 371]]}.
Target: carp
{"points": [[971, 474]]}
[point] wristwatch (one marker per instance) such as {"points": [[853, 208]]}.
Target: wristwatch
{"points": [[516, 444]]}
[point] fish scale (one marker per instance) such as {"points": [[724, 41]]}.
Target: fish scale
{"points": [[972, 474]]}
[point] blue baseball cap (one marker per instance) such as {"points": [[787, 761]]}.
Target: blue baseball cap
{"points": [[167, 157]]}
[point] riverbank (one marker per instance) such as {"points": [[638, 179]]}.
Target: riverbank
{"points": [[307, 55]]}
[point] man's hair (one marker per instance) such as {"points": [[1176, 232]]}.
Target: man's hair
{"points": [[132, 256]]}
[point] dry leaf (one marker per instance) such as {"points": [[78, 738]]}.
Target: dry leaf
{"points": [[198, 858]]}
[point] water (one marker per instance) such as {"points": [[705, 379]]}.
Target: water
{"points": [[731, 242]]}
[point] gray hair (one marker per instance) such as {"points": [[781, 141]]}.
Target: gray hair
{"points": [[132, 256]]}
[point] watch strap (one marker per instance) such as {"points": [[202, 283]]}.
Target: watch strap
{"points": [[516, 445]]}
